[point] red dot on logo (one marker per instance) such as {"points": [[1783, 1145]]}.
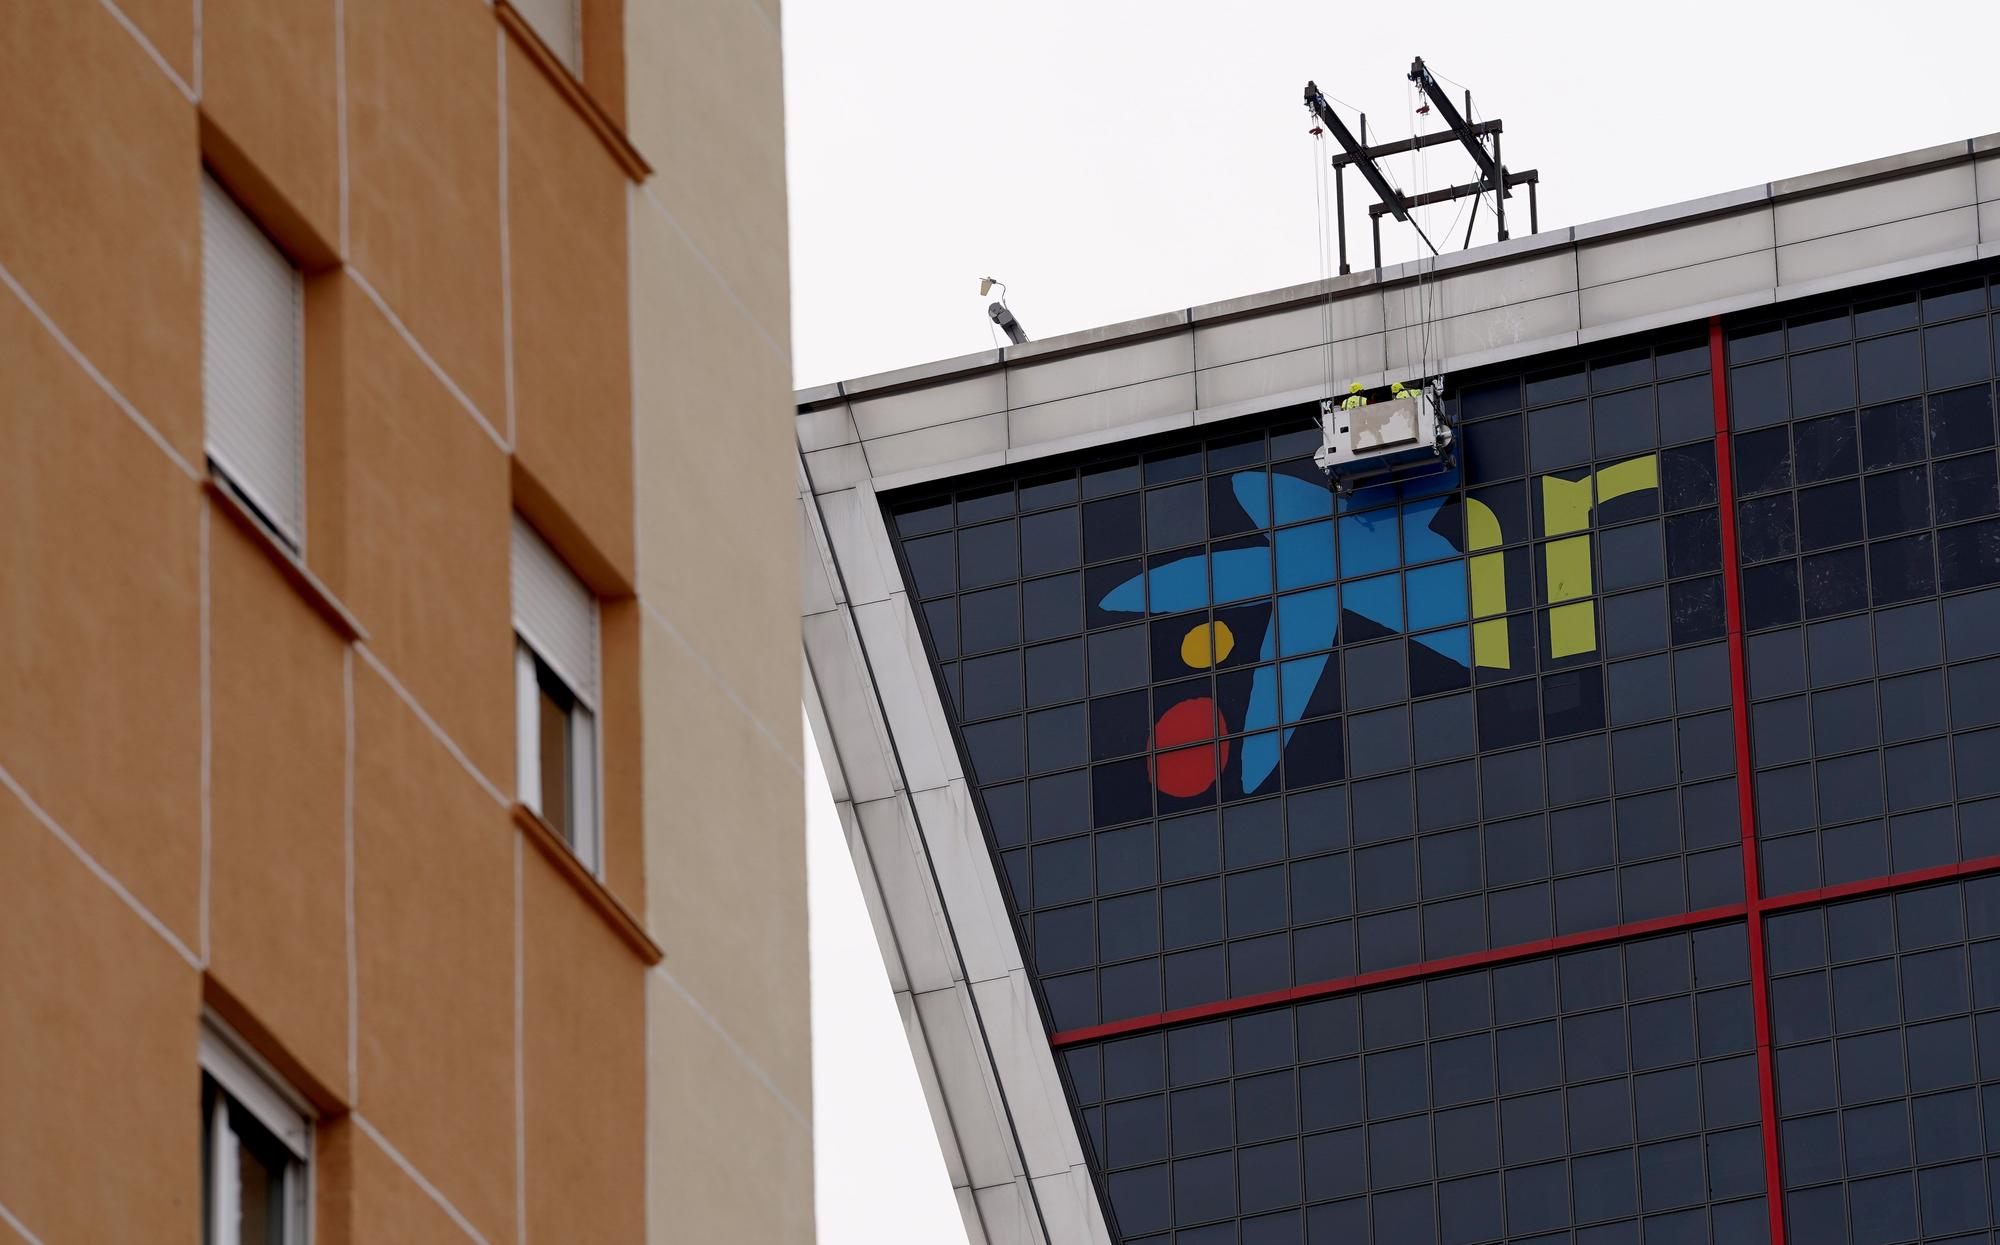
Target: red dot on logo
{"points": [[1180, 770]]}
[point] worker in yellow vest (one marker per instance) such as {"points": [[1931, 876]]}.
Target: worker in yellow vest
{"points": [[1355, 398], [1396, 391]]}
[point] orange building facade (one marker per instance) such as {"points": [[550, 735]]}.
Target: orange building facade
{"points": [[401, 835]]}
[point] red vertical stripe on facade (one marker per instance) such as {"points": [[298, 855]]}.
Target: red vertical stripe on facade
{"points": [[1746, 802]]}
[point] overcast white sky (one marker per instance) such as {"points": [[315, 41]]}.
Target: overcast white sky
{"points": [[1111, 159]]}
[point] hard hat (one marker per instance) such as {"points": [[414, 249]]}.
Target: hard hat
{"points": [[1355, 387]]}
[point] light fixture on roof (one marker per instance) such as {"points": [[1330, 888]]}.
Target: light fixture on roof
{"points": [[998, 312]]}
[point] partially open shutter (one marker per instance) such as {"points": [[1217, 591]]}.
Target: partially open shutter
{"points": [[554, 612], [559, 23], [252, 361]]}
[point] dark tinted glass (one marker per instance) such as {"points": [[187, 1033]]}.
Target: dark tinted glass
{"points": [[1489, 1105], [1883, 1053], [1884, 508]]}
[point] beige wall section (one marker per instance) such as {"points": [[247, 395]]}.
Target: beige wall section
{"points": [[100, 625], [366, 1198], [106, 235], [269, 84], [583, 1062], [423, 169], [102, 1011], [278, 805], [566, 251], [425, 493], [434, 930], [730, 1071], [706, 104]]}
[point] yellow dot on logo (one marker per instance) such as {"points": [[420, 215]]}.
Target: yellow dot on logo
{"points": [[1207, 644]]}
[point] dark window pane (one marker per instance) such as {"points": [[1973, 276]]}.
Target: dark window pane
{"points": [[1822, 381], [1757, 394], [1049, 541], [1764, 528], [1119, 725], [987, 555], [1825, 448], [1111, 528], [1558, 436], [1622, 423], [992, 685], [1889, 313], [1117, 659], [1687, 409], [1834, 582], [1759, 342], [1890, 367], [1556, 385], [1050, 490], [1819, 328], [1763, 461], [1898, 501], [1697, 610], [989, 619], [1175, 464], [1771, 595], [1969, 555], [1829, 515], [1892, 434], [931, 564], [1125, 859], [1901, 569], [1965, 488], [1694, 543], [1687, 476], [1491, 398], [1494, 450], [1957, 353], [1052, 607], [1508, 714], [1175, 516], [1949, 301], [1961, 420]]}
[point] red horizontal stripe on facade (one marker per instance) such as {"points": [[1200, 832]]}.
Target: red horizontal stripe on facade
{"points": [[1387, 976]]}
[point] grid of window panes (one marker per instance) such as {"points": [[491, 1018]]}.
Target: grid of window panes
{"points": [[1888, 1065], [1600, 1097], [1232, 734], [1868, 516]]}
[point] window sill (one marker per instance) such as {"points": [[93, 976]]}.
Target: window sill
{"points": [[317, 594], [579, 97], [627, 926]]}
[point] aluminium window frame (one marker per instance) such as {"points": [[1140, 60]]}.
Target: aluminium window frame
{"points": [[583, 829], [558, 632], [245, 1080]]}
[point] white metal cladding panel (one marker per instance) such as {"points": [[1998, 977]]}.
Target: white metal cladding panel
{"points": [[554, 612], [559, 23], [252, 348]]}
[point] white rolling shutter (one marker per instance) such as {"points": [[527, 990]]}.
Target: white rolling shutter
{"points": [[555, 613], [252, 363], [560, 24]]}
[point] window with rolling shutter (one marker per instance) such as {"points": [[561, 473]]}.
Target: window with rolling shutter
{"points": [[257, 1147], [252, 363], [556, 688], [554, 612]]}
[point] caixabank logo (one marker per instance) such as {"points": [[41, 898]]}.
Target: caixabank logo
{"points": [[1266, 611]]}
